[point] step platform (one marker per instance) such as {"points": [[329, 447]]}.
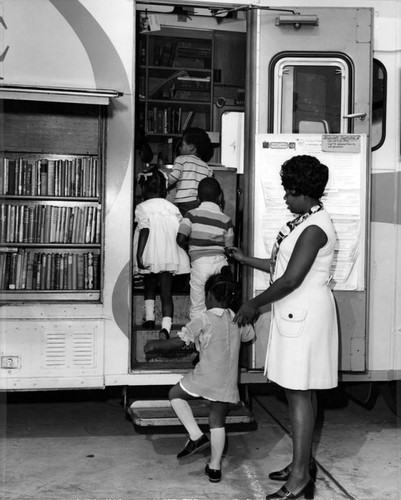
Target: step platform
{"points": [[175, 357], [159, 413]]}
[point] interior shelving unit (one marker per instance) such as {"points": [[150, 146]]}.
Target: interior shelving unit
{"points": [[175, 84], [52, 171]]}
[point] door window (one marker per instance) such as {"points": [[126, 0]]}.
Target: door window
{"points": [[311, 95], [379, 104]]}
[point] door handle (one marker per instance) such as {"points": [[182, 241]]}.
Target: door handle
{"points": [[352, 116]]}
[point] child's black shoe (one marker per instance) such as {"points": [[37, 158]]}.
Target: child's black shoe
{"points": [[163, 334], [214, 474], [148, 324], [194, 446]]}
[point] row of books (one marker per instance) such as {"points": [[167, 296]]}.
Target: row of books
{"points": [[49, 224], [168, 120], [78, 177], [184, 53], [30, 270]]}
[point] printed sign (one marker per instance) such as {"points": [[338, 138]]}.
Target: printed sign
{"points": [[344, 198]]}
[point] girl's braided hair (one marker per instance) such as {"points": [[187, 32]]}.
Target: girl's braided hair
{"points": [[224, 288]]}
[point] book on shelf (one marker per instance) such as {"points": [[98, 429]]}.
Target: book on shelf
{"points": [[47, 177], [31, 270], [188, 119], [164, 88]]}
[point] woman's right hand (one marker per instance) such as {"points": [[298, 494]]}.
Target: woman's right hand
{"points": [[247, 314]]}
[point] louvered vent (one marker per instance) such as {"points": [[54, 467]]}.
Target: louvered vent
{"points": [[55, 354], [83, 349], [70, 349]]}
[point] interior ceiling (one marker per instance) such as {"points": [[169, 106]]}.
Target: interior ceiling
{"points": [[196, 8]]}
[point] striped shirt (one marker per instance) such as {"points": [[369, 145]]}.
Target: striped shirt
{"points": [[187, 172], [208, 229]]}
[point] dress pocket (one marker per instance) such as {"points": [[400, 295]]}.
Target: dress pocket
{"points": [[291, 321]]}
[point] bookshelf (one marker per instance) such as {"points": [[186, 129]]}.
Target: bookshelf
{"points": [[52, 172], [175, 83]]}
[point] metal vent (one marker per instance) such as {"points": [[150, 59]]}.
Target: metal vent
{"points": [[70, 349], [83, 349], [55, 354]]}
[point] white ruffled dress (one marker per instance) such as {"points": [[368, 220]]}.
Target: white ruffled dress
{"points": [[161, 253]]}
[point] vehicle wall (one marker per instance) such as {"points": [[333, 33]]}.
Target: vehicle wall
{"points": [[90, 44], [86, 45]]}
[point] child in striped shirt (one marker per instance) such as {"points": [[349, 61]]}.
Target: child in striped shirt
{"points": [[205, 232], [190, 168]]}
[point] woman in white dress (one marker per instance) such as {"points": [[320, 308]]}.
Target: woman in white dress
{"points": [[302, 353]]}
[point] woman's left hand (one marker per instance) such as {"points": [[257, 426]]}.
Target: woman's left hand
{"points": [[246, 314]]}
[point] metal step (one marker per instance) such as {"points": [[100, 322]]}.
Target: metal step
{"points": [[159, 412]]}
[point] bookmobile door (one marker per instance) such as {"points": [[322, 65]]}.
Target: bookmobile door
{"points": [[309, 77]]}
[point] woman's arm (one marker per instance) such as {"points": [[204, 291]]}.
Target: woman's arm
{"points": [[142, 240], [306, 248], [255, 262]]}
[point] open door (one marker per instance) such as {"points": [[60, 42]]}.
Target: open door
{"points": [[305, 78]]}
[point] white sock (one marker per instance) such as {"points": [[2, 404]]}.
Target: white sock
{"points": [[166, 323], [149, 310], [184, 413], [217, 442]]}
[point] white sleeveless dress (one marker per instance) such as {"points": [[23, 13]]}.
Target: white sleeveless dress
{"points": [[302, 351], [161, 252]]}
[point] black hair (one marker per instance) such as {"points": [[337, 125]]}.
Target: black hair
{"points": [[143, 146], [153, 183], [201, 140], [209, 189], [305, 175], [224, 288]]}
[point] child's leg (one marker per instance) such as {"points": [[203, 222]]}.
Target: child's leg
{"points": [[201, 269], [150, 282], [166, 284], [178, 400], [197, 289], [217, 419]]}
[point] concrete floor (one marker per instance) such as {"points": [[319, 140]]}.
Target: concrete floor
{"points": [[80, 446]]}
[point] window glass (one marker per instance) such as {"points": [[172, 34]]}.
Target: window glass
{"points": [[378, 104], [232, 140], [311, 95]]}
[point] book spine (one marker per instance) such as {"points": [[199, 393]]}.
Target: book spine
{"points": [[80, 272], [3, 222], [12, 283], [29, 271], [50, 177], [24, 259]]}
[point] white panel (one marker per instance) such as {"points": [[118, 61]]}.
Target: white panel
{"points": [[56, 353], [384, 298]]}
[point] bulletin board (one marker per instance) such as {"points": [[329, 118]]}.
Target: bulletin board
{"points": [[344, 199]]}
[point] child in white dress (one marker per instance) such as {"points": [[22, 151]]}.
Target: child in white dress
{"points": [[215, 377], [156, 254]]}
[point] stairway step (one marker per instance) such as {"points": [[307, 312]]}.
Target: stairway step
{"points": [[159, 412]]}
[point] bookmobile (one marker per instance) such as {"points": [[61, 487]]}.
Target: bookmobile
{"points": [[267, 80]]}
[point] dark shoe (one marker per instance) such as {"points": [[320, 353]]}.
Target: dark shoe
{"points": [[163, 334], [194, 446], [214, 474], [308, 491], [284, 474], [149, 324]]}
